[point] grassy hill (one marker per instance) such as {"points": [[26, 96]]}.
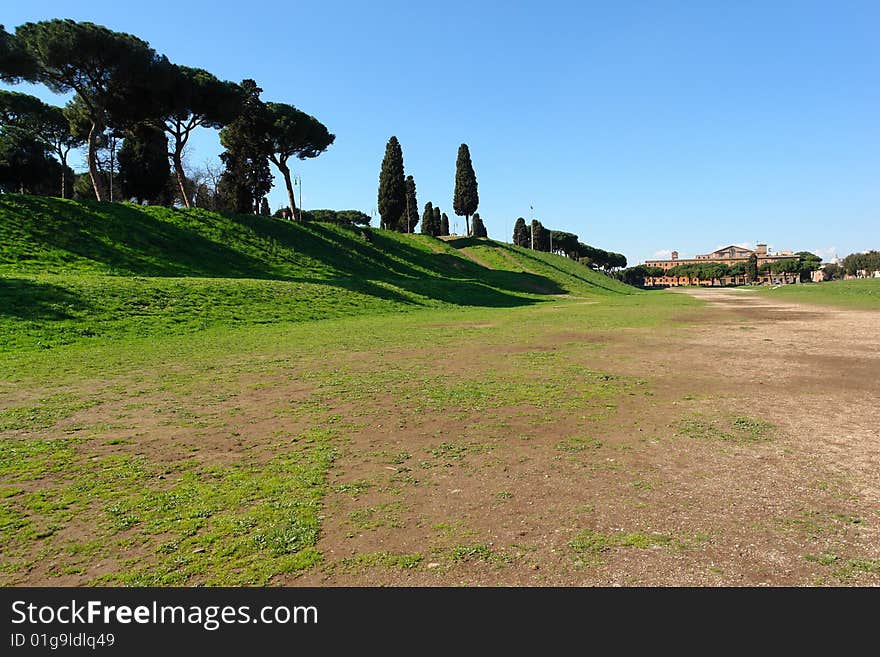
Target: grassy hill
{"points": [[73, 271]]}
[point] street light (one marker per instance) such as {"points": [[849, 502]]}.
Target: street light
{"points": [[297, 182], [532, 224]]}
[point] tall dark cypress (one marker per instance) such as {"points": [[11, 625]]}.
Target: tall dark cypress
{"points": [[428, 219], [392, 187], [521, 235], [542, 236], [444, 225], [479, 228], [411, 214], [466, 199], [437, 223], [752, 269]]}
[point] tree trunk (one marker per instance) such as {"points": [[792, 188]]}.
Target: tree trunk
{"points": [[467, 225], [93, 164], [285, 171], [179, 174]]}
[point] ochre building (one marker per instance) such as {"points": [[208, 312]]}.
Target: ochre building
{"points": [[730, 256]]}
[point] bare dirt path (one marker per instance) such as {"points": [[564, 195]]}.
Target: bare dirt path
{"points": [[827, 361], [749, 456]]}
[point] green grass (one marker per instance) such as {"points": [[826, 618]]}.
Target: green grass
{"points": [[728, 429], [858, 293], [87, 271], [592, 542], [235, 524], [590, 546], [574, 444], [845, 570], [376, 560]]}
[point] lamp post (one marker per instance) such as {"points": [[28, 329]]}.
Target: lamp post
{"points": [[112, 161], [532, 224], [297, 182]]}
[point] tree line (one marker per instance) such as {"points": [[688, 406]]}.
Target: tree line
{"points": [[867, 262], [539, 238], [802, 263], [124, 89]]}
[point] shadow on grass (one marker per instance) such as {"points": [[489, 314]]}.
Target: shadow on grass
{"points": [[30, 300], [594, 279], [126, 239]]}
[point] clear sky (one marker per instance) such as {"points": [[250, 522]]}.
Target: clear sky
{"points": [[641, 126]]}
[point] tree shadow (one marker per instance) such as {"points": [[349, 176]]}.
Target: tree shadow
{"points": [[131, 240], [438, 276], [524, 253], [26, 299]]}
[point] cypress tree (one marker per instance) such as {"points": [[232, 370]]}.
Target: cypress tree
{"points": [[392, 187], [752, 269], [542, 236], [411, 215], [465, 199], [521, 234], [264, 208], [479, 229], [437, 222], [444, 225], [428, 219]]}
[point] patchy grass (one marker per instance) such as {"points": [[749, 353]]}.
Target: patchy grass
{"points": [[816, 524], [574, 444], [354, 488], [589, 546], [479, 552], [372, 560], [189, 523], [459, 450], [591, 542], [45, 413], [728, 429], [382, 515], [843, 569]]}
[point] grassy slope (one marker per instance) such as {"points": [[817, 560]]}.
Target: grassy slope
{"points": [[864, 293], [572, 274], [71, 271]]}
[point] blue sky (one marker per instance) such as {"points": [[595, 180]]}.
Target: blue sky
{"points": [[641, 126]]}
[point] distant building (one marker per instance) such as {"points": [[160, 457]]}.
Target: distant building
{"points": [[730, 256]]}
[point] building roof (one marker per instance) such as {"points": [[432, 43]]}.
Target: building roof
{"points": [[729, 247]]}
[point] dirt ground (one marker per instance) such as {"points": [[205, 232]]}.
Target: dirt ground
{"points": [[664, 492]]}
